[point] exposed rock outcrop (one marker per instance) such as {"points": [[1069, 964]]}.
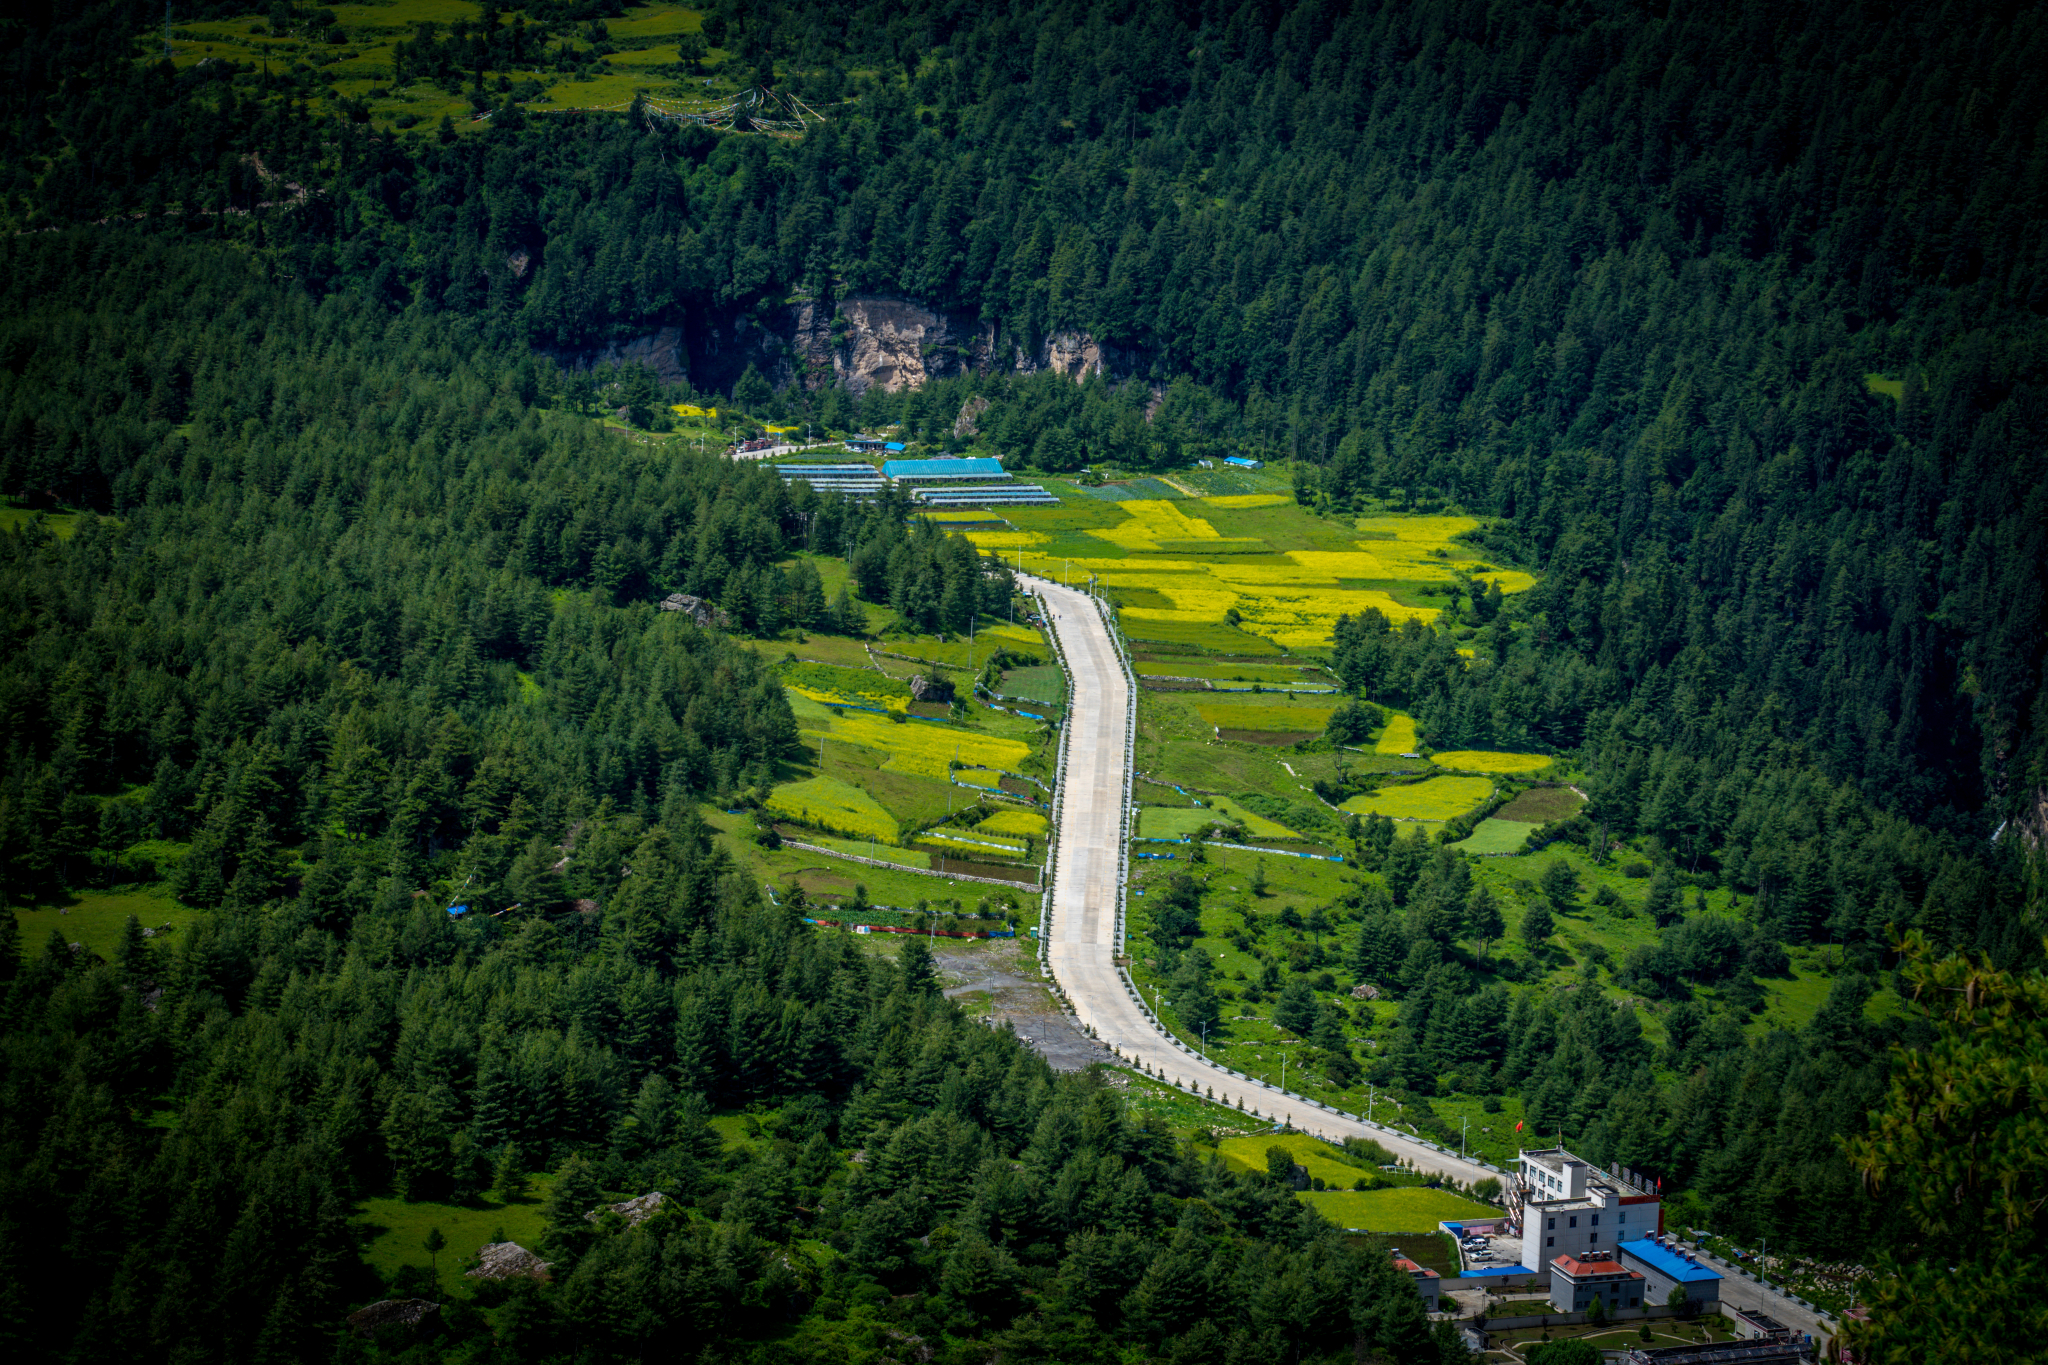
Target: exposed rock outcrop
{"points": [[860, 341], [931, 689], [509, 1261], [632, 1210], [391, 1313], [970, 414], [696, 608]]}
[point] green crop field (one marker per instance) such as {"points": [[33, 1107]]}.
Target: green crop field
{"points": [[1394, 1210], [1180, 822], [1264, 711], [1433, 798], [1044, 684], [1283, 675], [1495, 836]]}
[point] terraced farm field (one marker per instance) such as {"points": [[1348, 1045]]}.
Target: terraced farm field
{"points": [[356, 60], [1433, 798], [1485, 761], [1179, 822], [1262, 711], [1177, 566], [1399, 737], [836, 805], [1495, 836]]}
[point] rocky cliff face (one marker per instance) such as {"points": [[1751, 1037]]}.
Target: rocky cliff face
{"points": [[862, 341]]}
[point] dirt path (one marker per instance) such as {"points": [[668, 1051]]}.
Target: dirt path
{"points": [[1001, 971]]}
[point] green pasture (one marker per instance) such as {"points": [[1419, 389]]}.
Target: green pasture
{"points": [[1316, 1156], [396, 1231], [1496, 836], [1394, 1210], [1181, 822], [95, 918], [1044, 684], [13, 515]]}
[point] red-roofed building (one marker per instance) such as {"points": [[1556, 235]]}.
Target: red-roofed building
{"points": [[1426, 1281], [1575, 1281]]}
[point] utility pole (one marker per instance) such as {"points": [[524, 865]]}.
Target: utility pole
{"points": [[167, 30], [1463, 1124], [1283, 1073]]}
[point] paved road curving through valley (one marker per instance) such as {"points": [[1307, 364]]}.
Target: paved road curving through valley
{"points": [[1087, 893]]}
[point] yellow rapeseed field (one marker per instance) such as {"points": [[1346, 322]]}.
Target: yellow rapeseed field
{"points": [[1433, 798], [1399, 736], [1018, 823], [827, 698], [837, 805], [922, 750], [1487, 761], [1151, 520], [1294, 604]]}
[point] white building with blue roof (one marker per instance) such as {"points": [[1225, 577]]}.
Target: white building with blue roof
{"points": [[1665, 1268]]}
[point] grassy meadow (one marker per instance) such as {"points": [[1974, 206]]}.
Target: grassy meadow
{"points": [[95, 918]]}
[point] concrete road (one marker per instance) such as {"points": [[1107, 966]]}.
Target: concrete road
{"points": [[1737, 1292], [1087, 894]]}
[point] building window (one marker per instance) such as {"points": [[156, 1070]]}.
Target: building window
{"points": [[1621, 1217], [1596, 1220], [1575, 1220], [1550, 1241], [1551, 1223]]}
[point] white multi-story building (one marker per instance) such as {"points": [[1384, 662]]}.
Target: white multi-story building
{"points": [[1569, 1207]]}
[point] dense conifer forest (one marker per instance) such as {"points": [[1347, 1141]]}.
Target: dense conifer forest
{"points": [[1729, 319]]}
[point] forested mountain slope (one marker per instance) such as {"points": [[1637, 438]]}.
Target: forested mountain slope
{"points": [[1729, 317]]}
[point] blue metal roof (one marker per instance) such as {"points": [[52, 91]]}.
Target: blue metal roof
{"points": [[892, 445], [978, 468], [1668, 1262]]}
